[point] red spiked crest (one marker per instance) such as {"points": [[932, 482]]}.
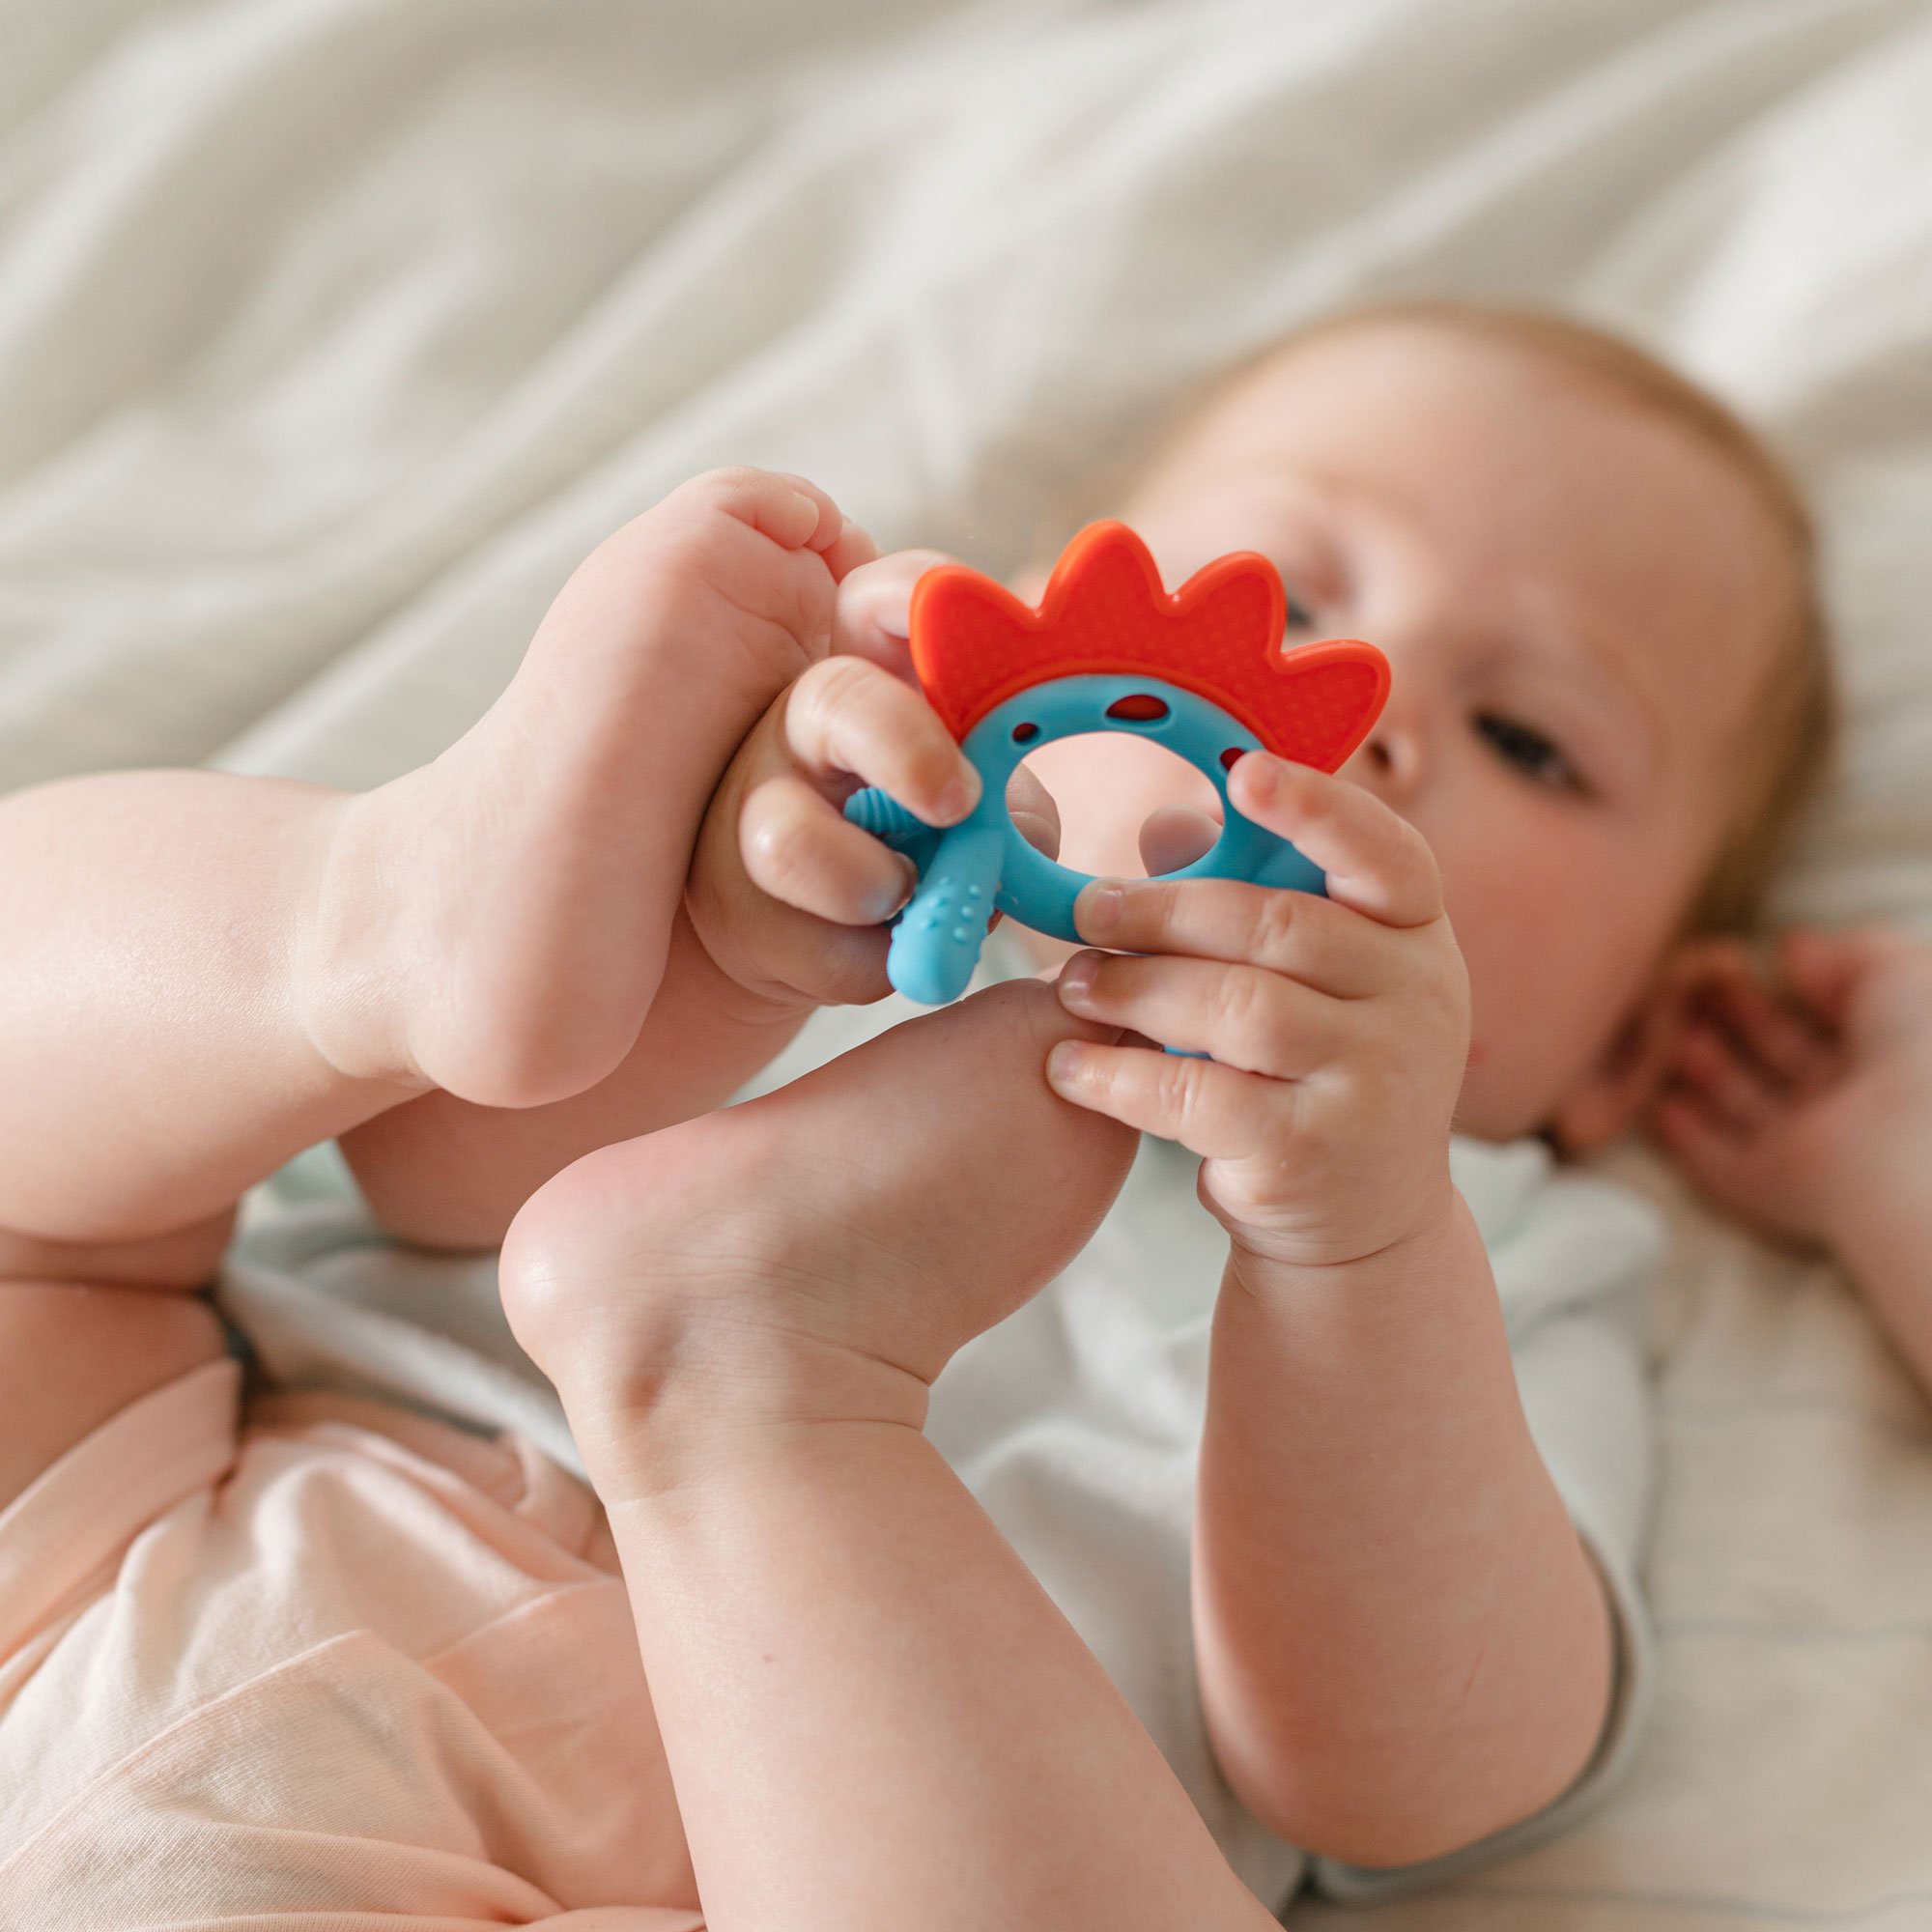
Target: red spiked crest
{"points": [[974, 645]]}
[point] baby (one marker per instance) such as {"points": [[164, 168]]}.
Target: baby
{"points": [[515, 985]]}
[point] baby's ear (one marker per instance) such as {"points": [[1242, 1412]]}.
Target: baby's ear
{"points": [[1618, 1091]]}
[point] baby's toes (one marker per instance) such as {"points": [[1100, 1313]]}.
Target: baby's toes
{"points": [[793, 512]]}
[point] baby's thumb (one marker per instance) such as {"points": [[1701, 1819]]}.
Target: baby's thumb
{"points": [[1824, 969], [1174, 835], [1034, 814]]}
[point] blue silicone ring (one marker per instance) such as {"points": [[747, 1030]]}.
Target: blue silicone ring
{"points": [[984, 862]]}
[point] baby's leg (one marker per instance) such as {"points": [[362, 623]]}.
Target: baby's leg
{"points": [[153, 1061], [444, 1173], [875, 1716], [207, 974], [156, 1054]]}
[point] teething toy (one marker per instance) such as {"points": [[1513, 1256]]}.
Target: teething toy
{"points": [[1201, 671]]}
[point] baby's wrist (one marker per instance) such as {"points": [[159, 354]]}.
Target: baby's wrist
{"points": [[1268, 1268], [1878, 1179]]}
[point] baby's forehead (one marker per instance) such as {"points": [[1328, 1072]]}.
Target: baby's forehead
{"points": [[1488, 399], [1502, 461]]}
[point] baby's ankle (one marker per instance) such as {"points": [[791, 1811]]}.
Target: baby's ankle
{"points": [[725, 1419], [697, 1382], [348, 987]]}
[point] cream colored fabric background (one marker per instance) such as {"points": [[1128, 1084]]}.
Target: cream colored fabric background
{"points": [[333, 331]]}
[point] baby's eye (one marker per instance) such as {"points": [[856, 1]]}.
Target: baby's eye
{"points": [[1300, 616], [1529, 752]]}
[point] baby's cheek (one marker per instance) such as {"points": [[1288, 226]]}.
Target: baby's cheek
{"points": [[1541, 935]]}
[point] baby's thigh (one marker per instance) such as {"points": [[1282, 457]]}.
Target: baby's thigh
{"points": [[336, 1674], [88, 1327]]}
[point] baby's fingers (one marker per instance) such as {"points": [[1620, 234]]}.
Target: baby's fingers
{"points": [[1034, 811], [1245, 1016], [1375, 860], [873, 617], [1759, 1177], [1313, 940], [799, 847], [1213, 1110], [1789, 1048], [1733, 1089], [1825, 969], [1702, 1140], [848, 716]]}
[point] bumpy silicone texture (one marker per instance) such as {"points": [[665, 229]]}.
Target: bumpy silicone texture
{"points": [[1201, 672]]}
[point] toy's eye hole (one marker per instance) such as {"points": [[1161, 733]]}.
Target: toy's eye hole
{"points": [[1233, 756], [1025, 734], [1141, 708]]}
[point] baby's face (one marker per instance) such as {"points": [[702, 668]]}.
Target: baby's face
{"points": [[1579, 601]]}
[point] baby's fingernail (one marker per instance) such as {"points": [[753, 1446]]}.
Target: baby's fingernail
{"points": [[1097, 910], [1065, 1062], [1076, 980], [959, 797], [896, 896]]}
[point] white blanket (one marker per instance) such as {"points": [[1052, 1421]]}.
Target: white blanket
{"points": [[333, 331]]}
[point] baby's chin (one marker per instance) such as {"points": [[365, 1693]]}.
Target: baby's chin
{"points": [[1495, 1108]]}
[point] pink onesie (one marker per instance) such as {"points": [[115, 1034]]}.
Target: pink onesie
{"points": [[329, 1664]]}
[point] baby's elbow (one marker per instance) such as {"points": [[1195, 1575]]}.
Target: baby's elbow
{"points": [[1381, 1837], [1382, 1811], [1377, 1835]]}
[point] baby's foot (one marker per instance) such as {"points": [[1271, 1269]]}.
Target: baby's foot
{"points": [[820, 1253], [495, 924]]}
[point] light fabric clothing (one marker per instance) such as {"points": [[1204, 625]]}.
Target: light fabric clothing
{"points": [[1076, 1422], [330, 1652], [322, 1661]]}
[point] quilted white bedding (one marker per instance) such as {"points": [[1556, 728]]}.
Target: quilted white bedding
{"points": [[333, 331]]}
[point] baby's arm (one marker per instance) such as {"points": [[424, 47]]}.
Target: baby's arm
{"points": [[1805, 1108], [1404, 1646]]}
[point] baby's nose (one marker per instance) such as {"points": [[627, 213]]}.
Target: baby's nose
{"points": [[1389, 760]]}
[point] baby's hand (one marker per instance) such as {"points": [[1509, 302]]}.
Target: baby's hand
{"points": [[1339, 1027], [1789, 1105], [785, 894]]}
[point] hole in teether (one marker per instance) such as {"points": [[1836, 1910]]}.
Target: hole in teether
{"points": [[1025, 734], [1233, 756], [1125, 805], [1141, 708]]}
